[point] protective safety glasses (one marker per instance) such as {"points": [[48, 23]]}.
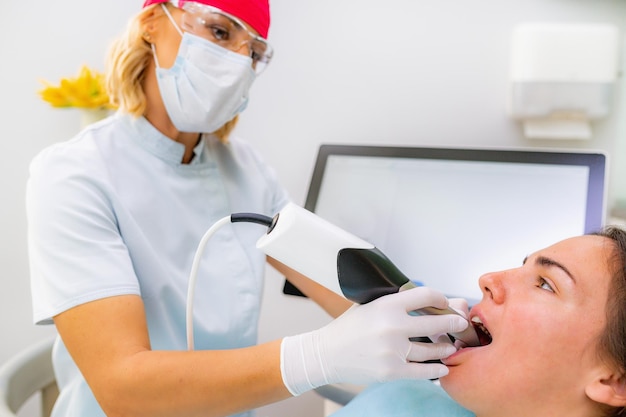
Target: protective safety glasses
{"points": [[226, 31]]}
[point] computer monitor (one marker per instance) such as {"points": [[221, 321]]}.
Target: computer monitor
{"points": [[446, 216]]}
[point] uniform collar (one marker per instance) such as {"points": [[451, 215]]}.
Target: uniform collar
{"points": [[155, 142]]}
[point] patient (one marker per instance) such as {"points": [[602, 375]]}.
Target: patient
{"points": [[555, 342]]}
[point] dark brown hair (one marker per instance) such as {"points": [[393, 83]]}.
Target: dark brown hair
{"points": [[612, 342]]}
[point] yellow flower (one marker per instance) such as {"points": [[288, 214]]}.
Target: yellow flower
{"points": [[86, 91]]}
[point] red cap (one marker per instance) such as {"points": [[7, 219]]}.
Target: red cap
{"points": [[256, 13]]}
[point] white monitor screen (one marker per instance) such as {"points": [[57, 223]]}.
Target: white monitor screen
{"points": [[447, 216]]}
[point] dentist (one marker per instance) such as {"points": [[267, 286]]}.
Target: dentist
{"points": [[115, 215]]}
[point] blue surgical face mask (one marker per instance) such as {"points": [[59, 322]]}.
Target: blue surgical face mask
{"points": [[206, 87]]}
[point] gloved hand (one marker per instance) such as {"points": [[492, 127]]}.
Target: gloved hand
{"points": [[461, 306], [370, 343]]}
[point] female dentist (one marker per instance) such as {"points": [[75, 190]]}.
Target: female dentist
{"points": [[116, 213]]}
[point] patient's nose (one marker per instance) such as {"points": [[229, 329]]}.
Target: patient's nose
{"points": [[491, 286]]}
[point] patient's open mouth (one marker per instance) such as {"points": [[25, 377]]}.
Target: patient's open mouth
{"points": [[484, 337]]}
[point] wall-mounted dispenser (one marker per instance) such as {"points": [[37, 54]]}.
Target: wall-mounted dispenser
{"points": [[563, 76]]}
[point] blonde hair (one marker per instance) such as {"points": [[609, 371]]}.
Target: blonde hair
{"points": [[128, 58]]}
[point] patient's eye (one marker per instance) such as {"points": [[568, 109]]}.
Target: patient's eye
{"points": [[544, 284]]}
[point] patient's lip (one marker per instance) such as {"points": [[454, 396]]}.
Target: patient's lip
{"points": [[477, 312], [455, 358], [480, 323]]}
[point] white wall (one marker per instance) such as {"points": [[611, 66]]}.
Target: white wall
{"points": [[402, 72]]}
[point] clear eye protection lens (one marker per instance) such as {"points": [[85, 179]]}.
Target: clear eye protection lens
{"points": [[226, 31]]}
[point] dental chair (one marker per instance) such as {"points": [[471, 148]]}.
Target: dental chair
{"points": [[25, 374]]}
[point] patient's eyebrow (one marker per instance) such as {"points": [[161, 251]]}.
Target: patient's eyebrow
{"points": [[545, 261]]}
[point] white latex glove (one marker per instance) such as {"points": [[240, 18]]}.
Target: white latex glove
{"points": [[461, 306], [370, 343]]}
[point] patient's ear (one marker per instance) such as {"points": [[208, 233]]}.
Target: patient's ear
{"points": [[610, 390]]}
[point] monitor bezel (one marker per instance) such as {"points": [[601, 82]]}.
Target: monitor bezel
{"points": [[596, 161]]}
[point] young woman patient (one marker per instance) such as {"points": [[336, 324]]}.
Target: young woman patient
{"points": [[554, 334]]}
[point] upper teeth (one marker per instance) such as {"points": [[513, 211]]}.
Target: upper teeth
{"points": [[479, 323]]}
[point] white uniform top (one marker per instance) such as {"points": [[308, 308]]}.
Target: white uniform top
{"points": [[114, 211]]}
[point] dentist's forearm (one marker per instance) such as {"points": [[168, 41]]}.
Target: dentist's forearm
{"points": [[108, 340], [332, 303]]}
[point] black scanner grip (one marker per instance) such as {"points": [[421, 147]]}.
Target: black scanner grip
{"points": [[367, 274]]}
